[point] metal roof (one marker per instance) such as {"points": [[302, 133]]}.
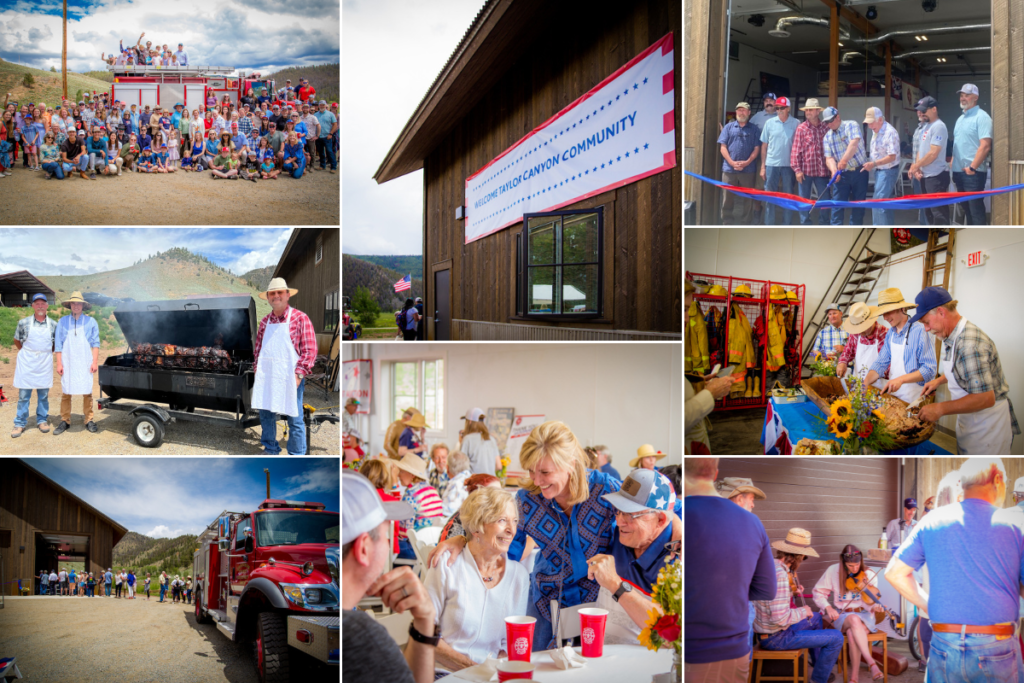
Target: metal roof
{"points": [[22, 282]]}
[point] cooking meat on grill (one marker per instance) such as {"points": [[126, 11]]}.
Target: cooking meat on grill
{"points": [[172, 350]]}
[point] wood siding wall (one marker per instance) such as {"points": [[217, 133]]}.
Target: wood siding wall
{"points": [[29, 504], [839, 500], [314, 280], [924, 474], [1007, 98], [642, 221]]}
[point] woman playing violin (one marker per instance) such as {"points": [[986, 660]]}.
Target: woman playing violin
{"points": [[851, 615]]}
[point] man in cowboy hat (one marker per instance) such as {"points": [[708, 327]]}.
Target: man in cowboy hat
{"points": [[728, 563], [831, 338], [783, 628], [907, 356], [412, 473], [808, 158], [412, 439], [866, 340], [646, 456], [740, 491], [985, 422], [285, 351], [77, 352], [393, 433], [33, 339], [973, 552]]}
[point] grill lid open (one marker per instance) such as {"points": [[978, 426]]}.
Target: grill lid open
{"points": [[199, 320]]}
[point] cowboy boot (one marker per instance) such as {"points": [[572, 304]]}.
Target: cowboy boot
{"points": [[757, 387], [750, 388]]}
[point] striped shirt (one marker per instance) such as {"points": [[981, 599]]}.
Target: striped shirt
{"points": [[828, 338], [976, 364], [836, 142], [808, 155], [427, 504], [772, 616], [885, 142], [918, 352]]}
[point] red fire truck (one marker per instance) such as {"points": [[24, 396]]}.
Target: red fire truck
{"points": [[271, 578], [189, 85]]}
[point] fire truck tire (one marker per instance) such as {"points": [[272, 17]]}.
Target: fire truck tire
{"points": [[272, 648], [147, 431], [202, 616]]}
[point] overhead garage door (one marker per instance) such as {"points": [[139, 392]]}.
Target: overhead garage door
{"points": [[839, 500]]}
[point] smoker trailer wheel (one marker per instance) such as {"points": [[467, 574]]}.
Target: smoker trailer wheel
{"points": [[147, 431]]}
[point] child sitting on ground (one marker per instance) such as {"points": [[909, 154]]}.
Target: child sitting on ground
{"points": [[186, 161], [222, 167], [268, 170], [147, 164]]}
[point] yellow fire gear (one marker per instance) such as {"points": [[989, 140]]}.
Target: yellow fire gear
{"points": [[776, 338], [741, 344], [697, 359]]}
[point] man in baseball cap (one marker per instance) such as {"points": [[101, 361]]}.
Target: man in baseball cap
{"points": [[739, 144], [831, 339], [740, 491], [930, 165], [369, 653], [349, 426], [770, 110], [972, 143], [885, 162], [899, 529], [777, 135], [845, 152]]}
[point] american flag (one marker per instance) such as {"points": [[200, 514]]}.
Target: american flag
{"points": [[404, 284]]}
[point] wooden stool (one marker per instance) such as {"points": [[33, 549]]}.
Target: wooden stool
{"points": [[789, 655], [872, 638]]}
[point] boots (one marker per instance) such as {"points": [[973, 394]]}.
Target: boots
{"points": [[757, 387], [750, 388]]}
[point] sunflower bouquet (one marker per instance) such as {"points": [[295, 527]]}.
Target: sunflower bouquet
{"points": [[664, 628], [503, 472], [823, 366], [857, 419]]}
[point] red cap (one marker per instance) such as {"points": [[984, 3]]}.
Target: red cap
{"points": [[781, 102]]}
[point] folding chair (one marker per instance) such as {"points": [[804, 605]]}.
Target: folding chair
{"points": [[397, 626], [565, 621]]}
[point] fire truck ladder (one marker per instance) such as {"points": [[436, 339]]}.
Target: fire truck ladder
{"points": [[865, 267]]}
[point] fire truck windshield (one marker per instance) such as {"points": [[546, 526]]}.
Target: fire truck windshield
{"points": [[287, 527]]}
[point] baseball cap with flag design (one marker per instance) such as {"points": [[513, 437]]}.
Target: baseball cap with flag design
{"points": [[643, 490]]}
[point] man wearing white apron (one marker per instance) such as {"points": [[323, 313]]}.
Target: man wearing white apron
{"points": [[285, 352], [866, 338], [33, 337], [985, 422], [908, 353], [77, 352]]}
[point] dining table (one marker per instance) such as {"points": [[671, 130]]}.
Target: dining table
{"points": [[618, 663]]}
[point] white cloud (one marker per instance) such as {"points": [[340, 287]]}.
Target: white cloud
{"points": [[322, 477], [262, 257], [162, 531]]}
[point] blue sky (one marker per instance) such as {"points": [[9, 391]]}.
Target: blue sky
{"points": [[81, 251], [247, 34], [167, 497]]}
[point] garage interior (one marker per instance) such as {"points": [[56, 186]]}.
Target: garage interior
{"points": [[56, 551]]}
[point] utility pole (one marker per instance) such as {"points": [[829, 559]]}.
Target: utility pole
{"points": [[64, 55]]}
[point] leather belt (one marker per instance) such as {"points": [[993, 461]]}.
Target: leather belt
{"points": [[994, 630], [853, 609]]}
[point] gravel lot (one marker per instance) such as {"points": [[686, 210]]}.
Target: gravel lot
{"points": [[114, 436], [137, 641], [171, 199]]}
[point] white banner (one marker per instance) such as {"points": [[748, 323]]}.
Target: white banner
{"points": [[622, 130], [522, 425], [358, 382]]}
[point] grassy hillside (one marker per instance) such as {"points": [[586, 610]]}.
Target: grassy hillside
{"points": [[110, 332], [47, 87], [380, 281], [403, 264], [324, 77], [260, 277], [154, 555]]}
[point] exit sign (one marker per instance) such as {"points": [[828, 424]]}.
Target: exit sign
{"points": [[975, 259]]}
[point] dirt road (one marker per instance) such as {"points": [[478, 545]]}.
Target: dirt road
{"points": [[171, 199], [93, 640]]}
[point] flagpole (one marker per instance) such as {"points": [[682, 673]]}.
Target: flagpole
{"points": [[64, 55]]}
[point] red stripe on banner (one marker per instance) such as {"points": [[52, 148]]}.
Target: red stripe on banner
{"points": [[670, 159], [668, 82], [666, 45], [670, 122]]}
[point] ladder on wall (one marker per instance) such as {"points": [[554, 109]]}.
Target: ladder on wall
{"points": [[865, 267], [933, 264]]}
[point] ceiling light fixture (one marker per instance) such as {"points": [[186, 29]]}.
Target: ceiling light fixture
{"points": [[929, 5], [872, 13], [840, 45]]}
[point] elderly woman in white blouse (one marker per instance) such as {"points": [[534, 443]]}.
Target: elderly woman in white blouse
{"points": [[482, 587], [851, 614]]}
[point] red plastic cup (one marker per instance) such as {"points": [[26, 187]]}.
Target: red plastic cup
{"points": [[519, 632], [510, 670], [592, 624]]}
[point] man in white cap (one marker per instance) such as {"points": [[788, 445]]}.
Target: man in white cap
{"points": [[776, 172], [885, 162], [972, 142], [866, 341], [740, 143], [369, 654], [285, 352], [807, 158], [1018, 492], [845, 152], [831, 338]]}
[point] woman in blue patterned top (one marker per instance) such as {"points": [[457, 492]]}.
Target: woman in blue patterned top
{"points": [[560, 507]]}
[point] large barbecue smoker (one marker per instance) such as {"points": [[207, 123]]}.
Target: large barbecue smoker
{"points": [[184, 354]]}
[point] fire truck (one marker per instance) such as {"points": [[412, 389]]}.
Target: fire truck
{"points": [[271, 578], [188, 85]]}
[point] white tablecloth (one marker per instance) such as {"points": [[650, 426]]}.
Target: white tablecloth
{"points": [[633, 663]]}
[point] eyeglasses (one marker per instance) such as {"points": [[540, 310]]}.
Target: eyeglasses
{"points": [[673, 546], [635, 515]]}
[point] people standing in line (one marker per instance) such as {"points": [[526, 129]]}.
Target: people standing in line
{"points": [[117, 584], [44, 582], [163, 585], [410, 320], [148, 581], [54, 582], [72, 586], [917, 186], [845, 153], [188, 589], [807, 159], [777, 135], [131, 584], [739, 144], [930, 165], [972, 143], [885, 162], [63, 578], [108, 579]]}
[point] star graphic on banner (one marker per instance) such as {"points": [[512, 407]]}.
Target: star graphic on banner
{"points": [[620, 158], [602, 165], [573, 178], [610, 162], [588, 117], [581, 122], [602, 107], [626, 91], [609, 103], [635, 86], [636, 151], [595, 169], [627, 155], [574, 125], [645, 81], [586, 172], [355, 373], [646, 145]]}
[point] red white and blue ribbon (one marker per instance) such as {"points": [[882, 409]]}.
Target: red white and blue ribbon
{"points": [[911, 202]]}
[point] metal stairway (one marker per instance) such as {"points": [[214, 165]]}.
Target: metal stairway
{"points": [[863, 271]]}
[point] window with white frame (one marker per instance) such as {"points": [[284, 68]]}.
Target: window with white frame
{"points": [[418, 384]]}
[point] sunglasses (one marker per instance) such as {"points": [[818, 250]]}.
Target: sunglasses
{"points": [[852, 557]]}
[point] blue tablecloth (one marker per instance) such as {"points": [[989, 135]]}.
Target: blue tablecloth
{"points": [[801, 421]]}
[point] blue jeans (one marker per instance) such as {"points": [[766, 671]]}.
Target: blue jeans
{"points": [[42, 406], [825, 644], [325, 150], [956, 658], [295, 169], [55, 168], [107, 587], [806, 186], [296, 429], [922, 215], [851, 186], [974, 208], [776, 177], [405, 550], [885, 187], [163, 591], [750, 629]]}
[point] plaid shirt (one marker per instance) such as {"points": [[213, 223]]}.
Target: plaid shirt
{"points": [[21, 331], [917, 139], [828, 337], [772, 616], [885, 142], [303, 339], [876, 337], [245, 125], [836, 142], [976, 365], [808, 154]]}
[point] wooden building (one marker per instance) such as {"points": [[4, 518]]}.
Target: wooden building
{"points": [[43, 524], [520, 64], [17, 288], [311, 263]]}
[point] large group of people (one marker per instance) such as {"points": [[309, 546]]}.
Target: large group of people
{"points": [[801, 157], [478, 573], [111, 584]]}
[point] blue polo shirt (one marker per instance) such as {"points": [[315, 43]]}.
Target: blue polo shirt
{"points": [[240, 141], [972, 126], [327, 121], [608, 469], [641, 571], [779, 137], [741, 141]]}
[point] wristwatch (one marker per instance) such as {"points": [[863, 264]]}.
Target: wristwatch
{"points": [[623, 589], [973, 170], [432, 641]]}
